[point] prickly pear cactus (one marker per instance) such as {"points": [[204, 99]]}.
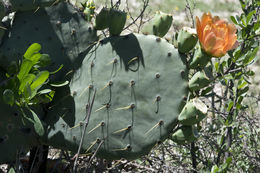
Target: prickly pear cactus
{"points": [[140, 83], [27, 5], [65, 34], [66, 37]]}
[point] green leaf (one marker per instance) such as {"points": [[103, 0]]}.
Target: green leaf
{"points": [[214, 169], [37, 124], [242, 85], [250, 73], [206, 91], [34, 48], [59, 83], [257, 27], [234, 20], [250, 56], [8, 97], [39, 80], [229, 160], [45, 91], [243, 19], [217, 66], [221, 139], [35, 58], [11, 170], [12, 68], [25, 69], [27, 92], [249, 16], [226, 164], [57, 69], [243, 91], [27, 80], [44, 60], [44, 99], [230, 105]]}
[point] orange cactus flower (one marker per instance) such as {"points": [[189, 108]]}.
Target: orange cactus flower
{"points": [[215, 35]]}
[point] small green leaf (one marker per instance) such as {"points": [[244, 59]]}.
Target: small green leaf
{"points": [[250, 73], [44, 60], [45, 91], [206, 91], [27, 80], [44, 98], [221, 139], [234, 20], [230, 105], [57, 69], [25, 69], [8, 97], [12, 68], [257, 27], [11, 170], [243, 91], [226, 164], [249, 16], [59, 83], [39, 80], [229, 160], [35, 58], [250, 56], [217, 66], [214, 169], [242, 85], [27, 92], [34, 48], [37, 124]]}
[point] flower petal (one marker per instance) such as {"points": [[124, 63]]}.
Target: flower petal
{"points": [[199, 29], [206, 31], [209, 42], [206, 19], [218, 53]]}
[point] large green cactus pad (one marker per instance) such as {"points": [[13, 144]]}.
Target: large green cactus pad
{"points": [[61, 30], [27, 5], [140, 82]]}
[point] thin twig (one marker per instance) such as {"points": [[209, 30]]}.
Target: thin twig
{"points": [[93, 156], [84, 131], [34, 159], [146, 2], [191, 13]]}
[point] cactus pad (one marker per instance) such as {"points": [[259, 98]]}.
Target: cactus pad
{"points": [[140, 82], [65, 34], [27, 5]]}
